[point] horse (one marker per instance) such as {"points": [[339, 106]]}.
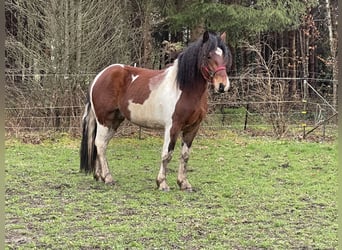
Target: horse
{"points": [[173, 99]]}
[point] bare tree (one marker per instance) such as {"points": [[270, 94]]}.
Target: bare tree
{"points": [[265, 89], [333, 49], [54, 48]]}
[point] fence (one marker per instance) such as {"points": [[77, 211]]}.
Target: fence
{"points": [[65, 97], [238, 116]]}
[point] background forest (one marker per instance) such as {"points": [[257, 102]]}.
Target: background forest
{"points": [[283, 50]]}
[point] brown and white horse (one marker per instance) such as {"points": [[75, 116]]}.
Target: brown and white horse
{"points": [[173, 99]]}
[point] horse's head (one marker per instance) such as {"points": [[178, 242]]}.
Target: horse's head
{"points": [[215, 59]]}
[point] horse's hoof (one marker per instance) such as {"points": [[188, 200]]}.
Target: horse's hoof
{"points": [[97, 178], [110, 183], [189, 190], [108, 179], [184, 186], [162, 185], [164, 189]]}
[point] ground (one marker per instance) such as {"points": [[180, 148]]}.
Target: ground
{"points": [[249, 193]]}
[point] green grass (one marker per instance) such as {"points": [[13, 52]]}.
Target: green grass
{"points": [[250, 193]]}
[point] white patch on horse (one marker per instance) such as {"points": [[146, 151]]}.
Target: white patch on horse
{"points": [[219, 52], [227, 85], [134, 77], [94, 82], [103, 135], [157, 109]]}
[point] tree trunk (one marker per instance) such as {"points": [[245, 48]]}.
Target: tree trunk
{"points": [[147, 39], [311, 62], [66, 39], [293, 64], [53, 40], [78, 45], [304, 50], [333, 48]]}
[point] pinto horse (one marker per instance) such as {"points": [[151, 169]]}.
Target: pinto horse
{"points": [[173, 99]]}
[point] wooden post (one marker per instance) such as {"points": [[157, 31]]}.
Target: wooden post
{"points": [[304, 112], [246, 117]]}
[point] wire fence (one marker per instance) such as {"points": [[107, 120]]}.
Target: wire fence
{"points": [[55, 103], [237, 116]]}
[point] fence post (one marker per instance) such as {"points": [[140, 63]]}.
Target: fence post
{"points": [[139, 133], [304, 112], [304, 125], [246, 117]]}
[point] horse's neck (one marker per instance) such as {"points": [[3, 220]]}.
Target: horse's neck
{"points": [[196, 87], [198, 95], [200, 90]]}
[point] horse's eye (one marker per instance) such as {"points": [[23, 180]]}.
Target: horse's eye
{"points": [[208, 57]]}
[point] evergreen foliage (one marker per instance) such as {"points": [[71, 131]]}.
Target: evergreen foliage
{"points": [[241, 20]]}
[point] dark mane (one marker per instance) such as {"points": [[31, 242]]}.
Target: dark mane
{"points": [[190, 61]]}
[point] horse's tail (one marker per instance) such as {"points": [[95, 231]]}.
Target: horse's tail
{"points": [[88, 150]]}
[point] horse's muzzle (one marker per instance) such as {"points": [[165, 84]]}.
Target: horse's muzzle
{"points": [[221, 88]]}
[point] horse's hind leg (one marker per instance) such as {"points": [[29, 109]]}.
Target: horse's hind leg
{"points": [[103, 136]]}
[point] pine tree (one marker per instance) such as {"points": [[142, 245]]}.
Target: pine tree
{"points": [[241, 19]]}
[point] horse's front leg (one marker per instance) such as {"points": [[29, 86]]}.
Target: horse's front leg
{"points": [[161, 178], [187, 138], [182, 180], [168, 147]]}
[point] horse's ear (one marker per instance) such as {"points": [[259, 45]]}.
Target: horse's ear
{"points": [[205, 37], [223, 37]]}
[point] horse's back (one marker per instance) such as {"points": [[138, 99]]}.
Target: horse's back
{"points": [[145, 97]]}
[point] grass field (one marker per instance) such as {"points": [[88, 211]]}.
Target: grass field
{"points": [[249, 193]]}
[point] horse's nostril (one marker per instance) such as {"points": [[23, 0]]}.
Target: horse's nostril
{"points": [[221, 88]]}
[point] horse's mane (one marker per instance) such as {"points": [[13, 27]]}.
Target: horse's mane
{"points": [[192, 58]]}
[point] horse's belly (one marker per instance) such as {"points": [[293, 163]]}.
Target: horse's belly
{"points": [[148, 115], [156, 111]]}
